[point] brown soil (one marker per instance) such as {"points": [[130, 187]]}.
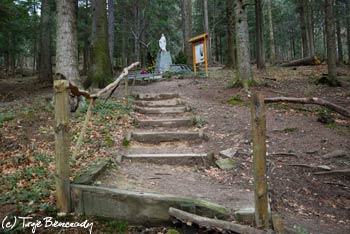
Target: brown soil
{"points": [[318, 203]]}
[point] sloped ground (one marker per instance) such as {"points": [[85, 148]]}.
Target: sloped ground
{"points": [[317, 203], [313, 203], [186, 176]]}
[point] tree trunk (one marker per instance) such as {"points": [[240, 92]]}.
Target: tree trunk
{"points": [[206, 28], [45, 66], [187, 28], [67, 43], [307, 9], [100, 70], [137, 31], [348, 29], [230, 36], [331, 51], [86, 56], [123, 63], [271, 34], [123, 45], [260, 60], [314, 60], [217, 47], [242, 39], [339, 43], [111, 30], [305, 46]]}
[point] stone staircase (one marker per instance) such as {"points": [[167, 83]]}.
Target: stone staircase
{"points": [[164, 164], [165, 129]]}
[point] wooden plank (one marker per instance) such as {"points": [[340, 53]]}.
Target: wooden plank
{"points": [[212, 224], [61, 88], [259, 158], [194, 58], [205, 56], [198, 38]]}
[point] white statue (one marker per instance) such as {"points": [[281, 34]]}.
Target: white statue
{"points": [[162, 43]]}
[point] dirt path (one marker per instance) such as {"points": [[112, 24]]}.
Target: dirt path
{"points": [[318, 204], [179, 165]]}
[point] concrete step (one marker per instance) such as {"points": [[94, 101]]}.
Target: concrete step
{"points": [[160, 103], [169, 156], [161, 110], [155, 96], [163, 155], [167, 123], [200, 159], [163, 136]]}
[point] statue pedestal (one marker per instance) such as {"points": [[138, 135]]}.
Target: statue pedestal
{"points": [[163, 62]]}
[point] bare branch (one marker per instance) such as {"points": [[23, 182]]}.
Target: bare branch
{"points": [[312, 100]]}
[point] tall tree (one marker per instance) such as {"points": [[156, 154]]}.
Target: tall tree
{"points": [[187, 28], [307, 9], [340, 57], [206, 27], [137, 30], [66, 42], [331, 51], [230, 36], [348, 29], [45, 65], [305, 45], [260, 60], [86, 38], [111, 29], [242, 39], [271, 34], [100, 73]]}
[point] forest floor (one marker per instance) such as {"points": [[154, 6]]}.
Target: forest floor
{"points": [[308, 203]]}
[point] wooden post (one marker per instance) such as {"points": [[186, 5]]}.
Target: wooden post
{"points": [[205, 56], [127, 90], [259, 158], [61, 88], [194, 58]]}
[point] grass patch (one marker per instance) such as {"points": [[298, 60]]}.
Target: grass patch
{"points": [[235, 100], [126, 143], [300, 230], [198, 121], [289, 130], [109, 141], [26, 188], [5, 118]]}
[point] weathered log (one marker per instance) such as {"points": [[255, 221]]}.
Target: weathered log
{"points": [[313, 60], [109, 88], [345, 171], [311, 100], [212, 223], [335, 154], [113, 86]]}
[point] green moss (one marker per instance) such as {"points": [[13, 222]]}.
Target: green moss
{"points": [[235, 100], [109, 141], [172, 231], [126, 143], [5, 118], [289, 130], [101, 69]]}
